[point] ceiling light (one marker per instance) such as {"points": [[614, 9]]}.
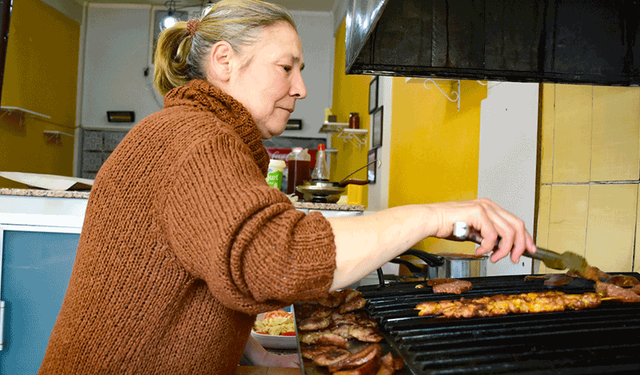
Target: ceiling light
{"points": [[170, 19]]}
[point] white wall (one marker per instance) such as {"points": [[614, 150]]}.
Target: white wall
{"points": [[378, 198], [508, 156], [116, 51], [318, 45]]}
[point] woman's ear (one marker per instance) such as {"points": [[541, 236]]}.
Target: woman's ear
{"points": [[220, 61]]}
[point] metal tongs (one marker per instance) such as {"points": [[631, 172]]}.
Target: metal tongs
{"points": [[551, 259]]}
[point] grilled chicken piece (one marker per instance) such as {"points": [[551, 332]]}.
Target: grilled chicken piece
{"points": [[623, 281], [324, 338], [357, 317], [331, 357], [622, 294], [314, 324], [553, 279], [591, 273], [365, 334], [502, 304], [366, 369], [354, 304], [434, 282], [389, 365], [312, 351], [453, 287], [339, 297], [360, 333], [370, 353]]}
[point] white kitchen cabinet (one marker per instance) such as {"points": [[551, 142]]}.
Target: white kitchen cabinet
{"points": [[38, 242]]}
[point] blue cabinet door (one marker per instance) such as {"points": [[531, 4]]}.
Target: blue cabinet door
{"points": [[36, 268]]}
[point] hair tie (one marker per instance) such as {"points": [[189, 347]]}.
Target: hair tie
{"points": [[192, 26]]}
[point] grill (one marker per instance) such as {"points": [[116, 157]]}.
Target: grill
{"points": [[601, 340]]}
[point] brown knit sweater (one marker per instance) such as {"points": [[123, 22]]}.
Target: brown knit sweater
{"points": [[183, 244]]}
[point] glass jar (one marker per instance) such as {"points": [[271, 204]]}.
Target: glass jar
{"points": [[298, 169], [354, 120]]}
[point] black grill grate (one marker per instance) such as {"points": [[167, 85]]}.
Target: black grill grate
{"points": [[602, 340]]}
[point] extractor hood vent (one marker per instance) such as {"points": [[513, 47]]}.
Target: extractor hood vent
{"points": [[561, 41]]}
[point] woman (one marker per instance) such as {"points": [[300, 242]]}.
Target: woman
{"points": [[184, 242]]}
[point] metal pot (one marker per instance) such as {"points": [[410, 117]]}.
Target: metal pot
{"points": [[459, 266], [450, 265]]}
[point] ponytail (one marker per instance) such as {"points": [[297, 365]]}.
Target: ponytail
{"points": [[181, 54]]}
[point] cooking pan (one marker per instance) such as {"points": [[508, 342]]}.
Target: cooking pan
{"points": [[325, 191]]}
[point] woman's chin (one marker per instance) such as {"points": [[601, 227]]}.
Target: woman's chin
{"points": [[269, 132]]}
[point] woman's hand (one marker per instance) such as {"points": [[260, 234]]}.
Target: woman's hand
{"points": [[492, 224], [366, 242], [280, 360], [259, 356]]}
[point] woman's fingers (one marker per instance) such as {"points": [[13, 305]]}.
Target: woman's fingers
{"points": [[501, 233]]}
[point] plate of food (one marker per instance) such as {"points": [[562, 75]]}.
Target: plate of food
{"points": [[275, 330]]}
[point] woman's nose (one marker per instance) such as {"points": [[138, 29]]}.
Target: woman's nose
{"points": [[298, 89]]}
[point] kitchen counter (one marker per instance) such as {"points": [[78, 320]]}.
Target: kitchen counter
{"points": [[253, 370], [85, 195], [44, 193]]}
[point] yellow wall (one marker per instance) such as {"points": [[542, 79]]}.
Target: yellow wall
{"points": [[40, 75], [350, 94], [434, 148], [589, 174]]}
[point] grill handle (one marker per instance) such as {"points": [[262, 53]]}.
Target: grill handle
{"points": [[415, 270], [430, 259]]}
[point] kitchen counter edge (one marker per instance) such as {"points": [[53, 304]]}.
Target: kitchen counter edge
{"points": [[85, 195]]}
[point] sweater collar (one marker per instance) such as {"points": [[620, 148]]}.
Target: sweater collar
{"points": [[202, 94]]}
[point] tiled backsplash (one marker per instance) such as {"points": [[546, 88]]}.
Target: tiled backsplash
{"points": [[97, 145], [590, 174]]}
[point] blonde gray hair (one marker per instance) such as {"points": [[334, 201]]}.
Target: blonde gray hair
{"points": [[180, 55]]}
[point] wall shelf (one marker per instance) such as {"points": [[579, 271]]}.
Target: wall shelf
{"points": [[333, 127], [355, 136], [342, 131], [21, 111]]}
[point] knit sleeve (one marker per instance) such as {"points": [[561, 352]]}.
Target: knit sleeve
{"points": [[245, 239]]}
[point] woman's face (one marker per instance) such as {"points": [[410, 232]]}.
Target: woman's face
{"points": [[269, 84]]}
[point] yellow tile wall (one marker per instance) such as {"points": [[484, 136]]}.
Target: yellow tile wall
{"points": [[590, 173], [615, 154], [572, 133]]}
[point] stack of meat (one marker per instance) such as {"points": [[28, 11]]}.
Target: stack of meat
{"points": [[330, 328]]}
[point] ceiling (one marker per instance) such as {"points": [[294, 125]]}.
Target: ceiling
{"points": [[308, 5]]}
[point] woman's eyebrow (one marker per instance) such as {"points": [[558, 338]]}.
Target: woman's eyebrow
{"points": [[297, 59]]}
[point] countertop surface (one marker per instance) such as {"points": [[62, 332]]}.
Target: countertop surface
{"points": [[252, 370], [85, 195]]}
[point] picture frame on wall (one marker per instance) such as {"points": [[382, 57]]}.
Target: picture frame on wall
{"points": [[376, 128], [371, 168], [373, 95]]}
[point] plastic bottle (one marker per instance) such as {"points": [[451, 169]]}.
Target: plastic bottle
{"points": [[321, 170], [274, 175], [298, 165]]}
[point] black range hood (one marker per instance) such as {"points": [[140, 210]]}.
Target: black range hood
{"points": [[558, 41]]}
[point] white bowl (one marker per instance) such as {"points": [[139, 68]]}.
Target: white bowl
{"points": [[275, 342]]}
